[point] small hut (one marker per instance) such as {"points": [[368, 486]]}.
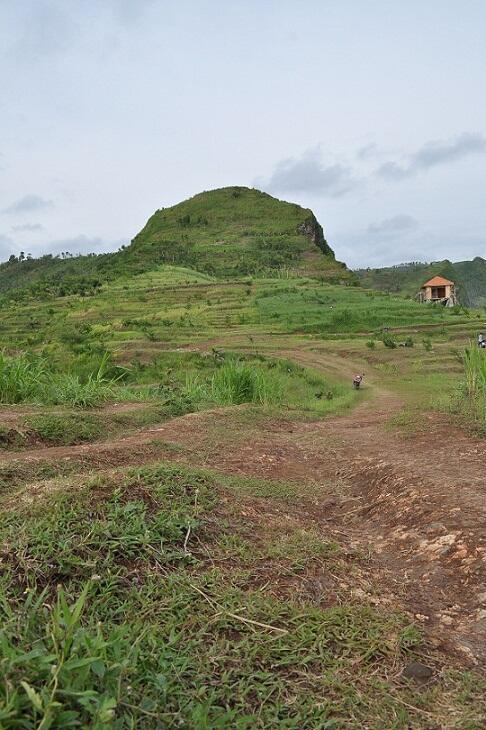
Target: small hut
{"points": [[439, 290]]}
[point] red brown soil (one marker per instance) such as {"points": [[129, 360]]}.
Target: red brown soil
{"points": [[416, 506]]}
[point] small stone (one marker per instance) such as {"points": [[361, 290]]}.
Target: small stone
{"points": [[417, 670]]}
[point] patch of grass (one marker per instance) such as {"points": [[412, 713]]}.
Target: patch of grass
{"points": [[410, 421], [301, 547], [239, 382], [66, 429], [144, 632], [469, 399], [28, 378], [277, 384], [67, 389], [21, 378]]}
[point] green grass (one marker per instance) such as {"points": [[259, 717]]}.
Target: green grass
{"points": [[146, 632], [278, 384], [28, 378], [165, 596], [469, 398], [66, 430], [228, 232]]}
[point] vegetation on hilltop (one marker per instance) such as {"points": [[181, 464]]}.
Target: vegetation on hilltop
{"points": [[237, 231], [469, 277], [227, 232]]}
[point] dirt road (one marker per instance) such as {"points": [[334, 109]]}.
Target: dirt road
{"points": [[415, 505]]}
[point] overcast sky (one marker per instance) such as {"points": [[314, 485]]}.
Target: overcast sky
{"points": [[371, 113]]}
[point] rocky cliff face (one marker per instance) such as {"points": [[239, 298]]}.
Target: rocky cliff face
{"points": [[313, 230]]}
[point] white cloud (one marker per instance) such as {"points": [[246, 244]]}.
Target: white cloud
{"points": [[28, 228], [28, 204], [308, 174], [392, 226], [433, 154]]}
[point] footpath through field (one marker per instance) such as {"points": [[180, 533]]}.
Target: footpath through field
{"points": [[415, 505]]}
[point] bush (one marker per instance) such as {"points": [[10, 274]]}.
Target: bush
{"points": [[388, 341]]}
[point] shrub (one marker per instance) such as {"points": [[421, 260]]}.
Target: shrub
{"points": [[388, 341]]}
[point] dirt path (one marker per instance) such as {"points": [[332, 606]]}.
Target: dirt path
{"points": [[417, 505]]}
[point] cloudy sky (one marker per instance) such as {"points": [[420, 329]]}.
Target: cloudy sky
{"points": [[371, 113]]}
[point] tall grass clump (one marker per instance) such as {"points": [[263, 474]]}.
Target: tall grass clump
{"points": [[22, 378], [470, 398], [28, 378], [474, 360], [68, 389], [239, 382]]}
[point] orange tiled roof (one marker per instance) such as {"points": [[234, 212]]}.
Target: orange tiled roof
{"points": [[437, 281]]}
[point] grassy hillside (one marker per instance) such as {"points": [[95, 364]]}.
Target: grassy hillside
{"points": [[227, 232], [469, 277], [135, 316], [235, 231]]}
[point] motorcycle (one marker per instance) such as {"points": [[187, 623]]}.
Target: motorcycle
{"points": [[357, 380]]}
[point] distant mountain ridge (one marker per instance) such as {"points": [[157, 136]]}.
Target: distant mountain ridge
{"points": [[469, 277], [228, 232]]}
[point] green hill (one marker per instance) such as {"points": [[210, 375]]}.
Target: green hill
{"points": [[469, 277], [228, 232], [236, 231]]}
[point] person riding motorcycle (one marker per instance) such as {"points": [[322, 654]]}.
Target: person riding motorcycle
{"points": [[357, 380]]}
